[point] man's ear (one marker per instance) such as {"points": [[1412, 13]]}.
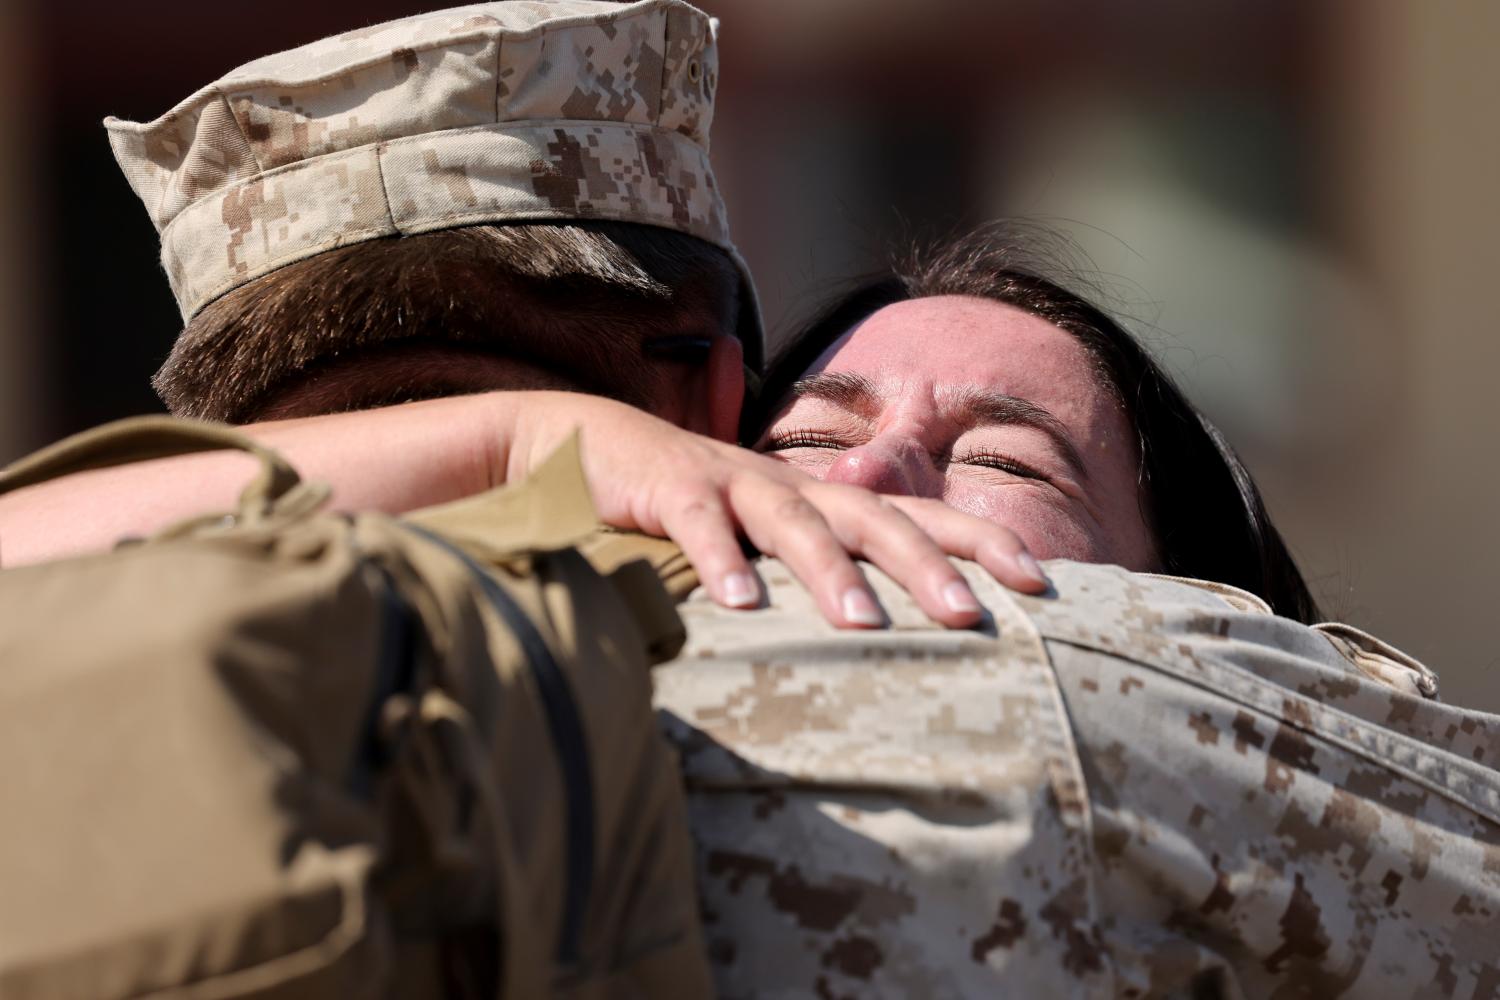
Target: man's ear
{"points": [[717, 391]]}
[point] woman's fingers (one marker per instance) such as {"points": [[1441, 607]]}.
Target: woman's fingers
{"points": [[702, 526], [780, 521], [868, 526], [658, 478], [818, 529], [998, 549]]}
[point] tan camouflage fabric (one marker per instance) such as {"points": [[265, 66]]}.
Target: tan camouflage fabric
{"points": [[1136, 787], [496, 112]]}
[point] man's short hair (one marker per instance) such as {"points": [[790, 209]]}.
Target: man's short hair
{"points": [[500, 288]]}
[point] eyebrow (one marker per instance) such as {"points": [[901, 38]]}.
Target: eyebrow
{"points": [[845, 390], [857, 395]]}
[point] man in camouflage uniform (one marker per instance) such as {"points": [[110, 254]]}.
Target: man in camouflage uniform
{"points": [[1131, 787]]}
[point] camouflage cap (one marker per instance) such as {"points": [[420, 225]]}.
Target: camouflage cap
{"points": [[521, 111]]}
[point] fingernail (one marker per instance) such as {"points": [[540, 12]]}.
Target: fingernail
{"points": [[740, 591], [1032, 568], [860, 608], [959, 598]]}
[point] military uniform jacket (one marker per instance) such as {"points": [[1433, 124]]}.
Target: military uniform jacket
{"points": [[1133, 787]]}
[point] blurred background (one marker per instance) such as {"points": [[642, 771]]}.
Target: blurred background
{"points": [[1293, 202]]}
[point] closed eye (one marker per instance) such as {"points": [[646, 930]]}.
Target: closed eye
{"points": [[802, 439], [788, 440], [1002, 463]]}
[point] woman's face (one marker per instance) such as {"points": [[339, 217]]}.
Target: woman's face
{"points": [[984, 406]]}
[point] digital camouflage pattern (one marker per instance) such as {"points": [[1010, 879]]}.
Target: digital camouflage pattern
{"points": [[1136, 787], [497, 112]]}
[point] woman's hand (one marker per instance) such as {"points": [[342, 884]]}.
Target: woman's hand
{"points": [[648, 475], [645, 473]]}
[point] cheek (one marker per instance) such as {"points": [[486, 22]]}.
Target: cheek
{"points": [[1047, 527]]}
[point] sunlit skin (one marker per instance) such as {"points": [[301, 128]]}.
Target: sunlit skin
{"points": [[993, 410]]}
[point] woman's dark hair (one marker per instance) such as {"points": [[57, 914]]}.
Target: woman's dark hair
{"points": [[1199, 501]]}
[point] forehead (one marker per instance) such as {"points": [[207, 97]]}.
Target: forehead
{"points": [[964, 341]]}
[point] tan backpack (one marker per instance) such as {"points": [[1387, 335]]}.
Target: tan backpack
{"points": [[292, 753]]}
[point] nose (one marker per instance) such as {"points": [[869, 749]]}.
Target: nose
{"points": [[885, 466]]}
